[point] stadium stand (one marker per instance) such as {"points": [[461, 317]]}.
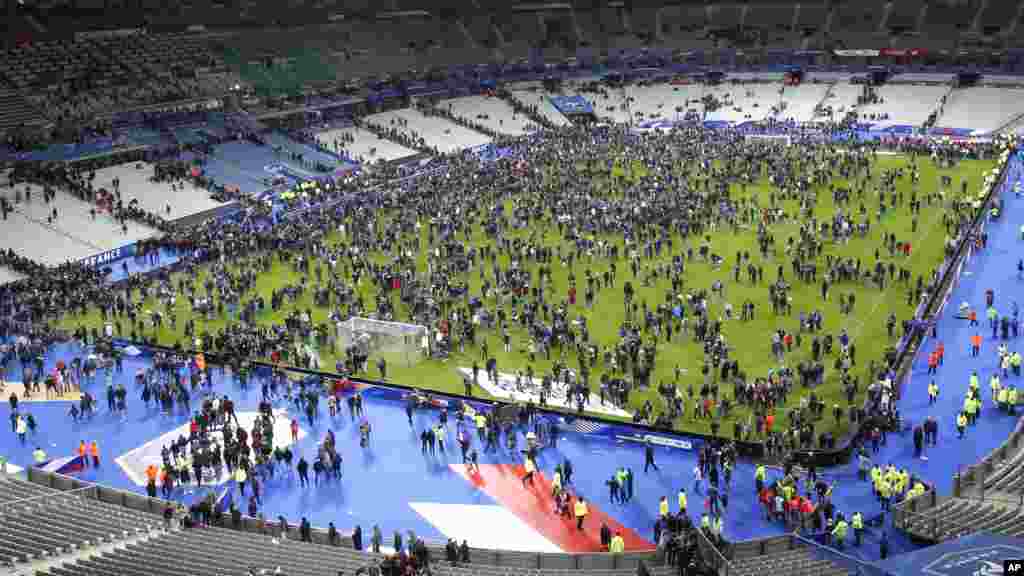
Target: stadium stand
{"points": [[82, 78], [7, 275], [858, 23], [773, 19], [954, 517], [480, 29], [435, 132], [811, 20], [944, 22], [745, 102], [611, 104], [84, 222], [661, 101], [74, 80], [171, 200], [1001, 471], [491, 112], [544, 106], [842, 98], [522, 32], [782, 555], [39, 522], [364, 146], [985, 109], [902, 104], [902, 16], [800, 103], [685, 26], [995, 16], [42, 243], [15, 110]]}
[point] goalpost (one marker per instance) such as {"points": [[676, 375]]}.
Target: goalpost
{"points": [[396, 342]]}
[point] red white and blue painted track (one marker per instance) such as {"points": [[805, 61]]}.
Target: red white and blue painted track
{"points": [[393, 485]]}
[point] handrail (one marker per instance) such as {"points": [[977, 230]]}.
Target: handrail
{"points": [[481, 556], [979, 472], [862, 566], [84, 489], [1009, 123], [988, 496], [900, 521], [721, 564]]}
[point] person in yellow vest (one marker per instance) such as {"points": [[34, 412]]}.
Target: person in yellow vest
{"points": [[839, 533], [682, 501], [556, 482], [857, 522], [759, 477], [933, 392], [716, 528], [240, 478], [787, 492], [973, 383], [1011, 401], [580, 510], [705, 522], [39, 456], [975, 409], [663, 510], [994, 384], [961, 424], [618, 545], [1003, 397], [876, 479], [481, 426], [885, 491], [968, 407]]}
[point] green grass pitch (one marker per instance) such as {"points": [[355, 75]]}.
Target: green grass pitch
{"points": [[750, 341]]}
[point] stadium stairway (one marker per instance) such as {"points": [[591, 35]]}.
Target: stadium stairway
{"points": [[782, 555], [42, 527], [15, 110], [213, 551]]}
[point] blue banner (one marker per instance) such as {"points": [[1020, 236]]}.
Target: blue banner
{"points": [[572, 105], [109, 257]]}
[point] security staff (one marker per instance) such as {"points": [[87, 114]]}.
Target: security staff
{"points": [[581, 512], [858, 527]]}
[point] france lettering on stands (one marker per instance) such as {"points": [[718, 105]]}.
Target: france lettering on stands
{"points": [[107, 257], [1013, 567]]}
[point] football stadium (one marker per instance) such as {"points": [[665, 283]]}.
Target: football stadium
{"points": [[655, 288]]}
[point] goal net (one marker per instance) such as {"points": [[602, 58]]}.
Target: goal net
{"points": [[395, 342], [769, 138]]}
